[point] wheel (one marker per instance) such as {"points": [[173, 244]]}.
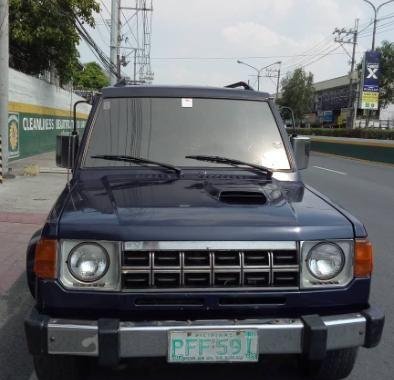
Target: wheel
{"points": [[54, 367], [337, 364]]}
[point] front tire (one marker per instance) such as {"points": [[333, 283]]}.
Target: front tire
{"points": [[56, 367], [337, 364]]}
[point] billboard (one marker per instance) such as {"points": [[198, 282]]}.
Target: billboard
{"points": [[328, 116], [369, 98]]}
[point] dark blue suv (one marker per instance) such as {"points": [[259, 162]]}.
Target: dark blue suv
{"points": [[186, 232]]}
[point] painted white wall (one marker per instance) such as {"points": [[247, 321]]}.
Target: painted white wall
{"points": [[30, 90], [387, 113]]}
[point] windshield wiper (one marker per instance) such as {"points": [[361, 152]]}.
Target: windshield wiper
{"points": [[137, 160], [230, 161]]}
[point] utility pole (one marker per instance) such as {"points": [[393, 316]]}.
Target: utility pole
{"points": [[4, 85], [278, 81], [115, 39], [375, 21], [118, 40], [131, 30], [352, 105], [135, 67], [349, 36]]}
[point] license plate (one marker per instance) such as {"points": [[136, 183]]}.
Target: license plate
{"points": [[213, 346]]}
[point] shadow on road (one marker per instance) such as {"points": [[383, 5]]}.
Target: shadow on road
{"points": [[15, 362], [270, 368]]}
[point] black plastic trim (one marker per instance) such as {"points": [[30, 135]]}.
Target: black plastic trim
{"points": [[375, 323], [182, 92], [36, 329], [314, 338], [108, 339]]}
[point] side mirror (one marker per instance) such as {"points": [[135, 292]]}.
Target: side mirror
{"points": [[301, 147], [66, 150]]}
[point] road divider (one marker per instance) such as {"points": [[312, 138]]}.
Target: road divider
{"points": [[364, 149]]}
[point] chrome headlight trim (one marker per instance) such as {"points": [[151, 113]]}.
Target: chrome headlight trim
{"points": [[312, 252], [110, 279], [341, 279], [97, 277]]}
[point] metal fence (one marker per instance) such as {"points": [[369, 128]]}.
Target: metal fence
{"points": [[383, 124]]}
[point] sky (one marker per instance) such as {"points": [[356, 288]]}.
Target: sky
{"points": [[199, 41]]}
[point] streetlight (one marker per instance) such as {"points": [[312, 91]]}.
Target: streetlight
{"points": [[260, 70], [375, 21]]}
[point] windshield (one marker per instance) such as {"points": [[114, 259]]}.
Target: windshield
{"points": [[169, 129]]}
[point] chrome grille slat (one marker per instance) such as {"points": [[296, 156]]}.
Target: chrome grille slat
{"points": [[248, 267]]}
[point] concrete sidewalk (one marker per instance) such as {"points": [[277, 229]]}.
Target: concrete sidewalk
{"points": [[24, 205], [34, 194], [46, 162]]}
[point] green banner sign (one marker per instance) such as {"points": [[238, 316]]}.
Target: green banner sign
{"points": [[30, 134]]}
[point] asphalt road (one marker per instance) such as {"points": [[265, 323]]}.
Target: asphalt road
{"points": [[366, 189]]}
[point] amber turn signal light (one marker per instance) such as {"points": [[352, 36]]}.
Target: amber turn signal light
{"points": [[45, 259], [363, 260]]}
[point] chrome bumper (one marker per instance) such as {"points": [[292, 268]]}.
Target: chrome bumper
{"points": [[112, 340]]}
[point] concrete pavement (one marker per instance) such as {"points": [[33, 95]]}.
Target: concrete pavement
{"points": [[24, 205], [366, 189]]}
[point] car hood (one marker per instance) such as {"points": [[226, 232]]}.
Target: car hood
{"points": [[160, 208]]}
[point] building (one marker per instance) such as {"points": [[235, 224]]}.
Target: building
{"points": [[331, 99]]}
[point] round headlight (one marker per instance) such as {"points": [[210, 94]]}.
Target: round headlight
{"points": [[325, 261], [88, 262]]}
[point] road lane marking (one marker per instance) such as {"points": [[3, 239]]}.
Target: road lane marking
{"points": [[330, 170], [33, 376]]}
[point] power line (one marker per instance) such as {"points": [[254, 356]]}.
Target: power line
{"points": [[105, 7], [84, 34], [137, 38], [316, 47], [105, 23], [129, 26], [325, 51], [102, 37], [94, 47], [207, 58], [379, 32], [325, 55], [320, 53], [380, 27]]}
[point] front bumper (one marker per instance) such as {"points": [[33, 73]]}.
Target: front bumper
{"points": [[111, 340]]}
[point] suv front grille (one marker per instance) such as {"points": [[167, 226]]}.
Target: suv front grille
{"points": [[157, 267]]}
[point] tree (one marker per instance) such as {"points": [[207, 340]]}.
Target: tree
{"points": [[297, 92], [386, 84], [91, 77], [43, 34]]}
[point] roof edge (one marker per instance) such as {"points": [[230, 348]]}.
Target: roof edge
{"points": [[183, 92]]}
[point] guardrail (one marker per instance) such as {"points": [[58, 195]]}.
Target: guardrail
{"points": [[364, 149]]}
